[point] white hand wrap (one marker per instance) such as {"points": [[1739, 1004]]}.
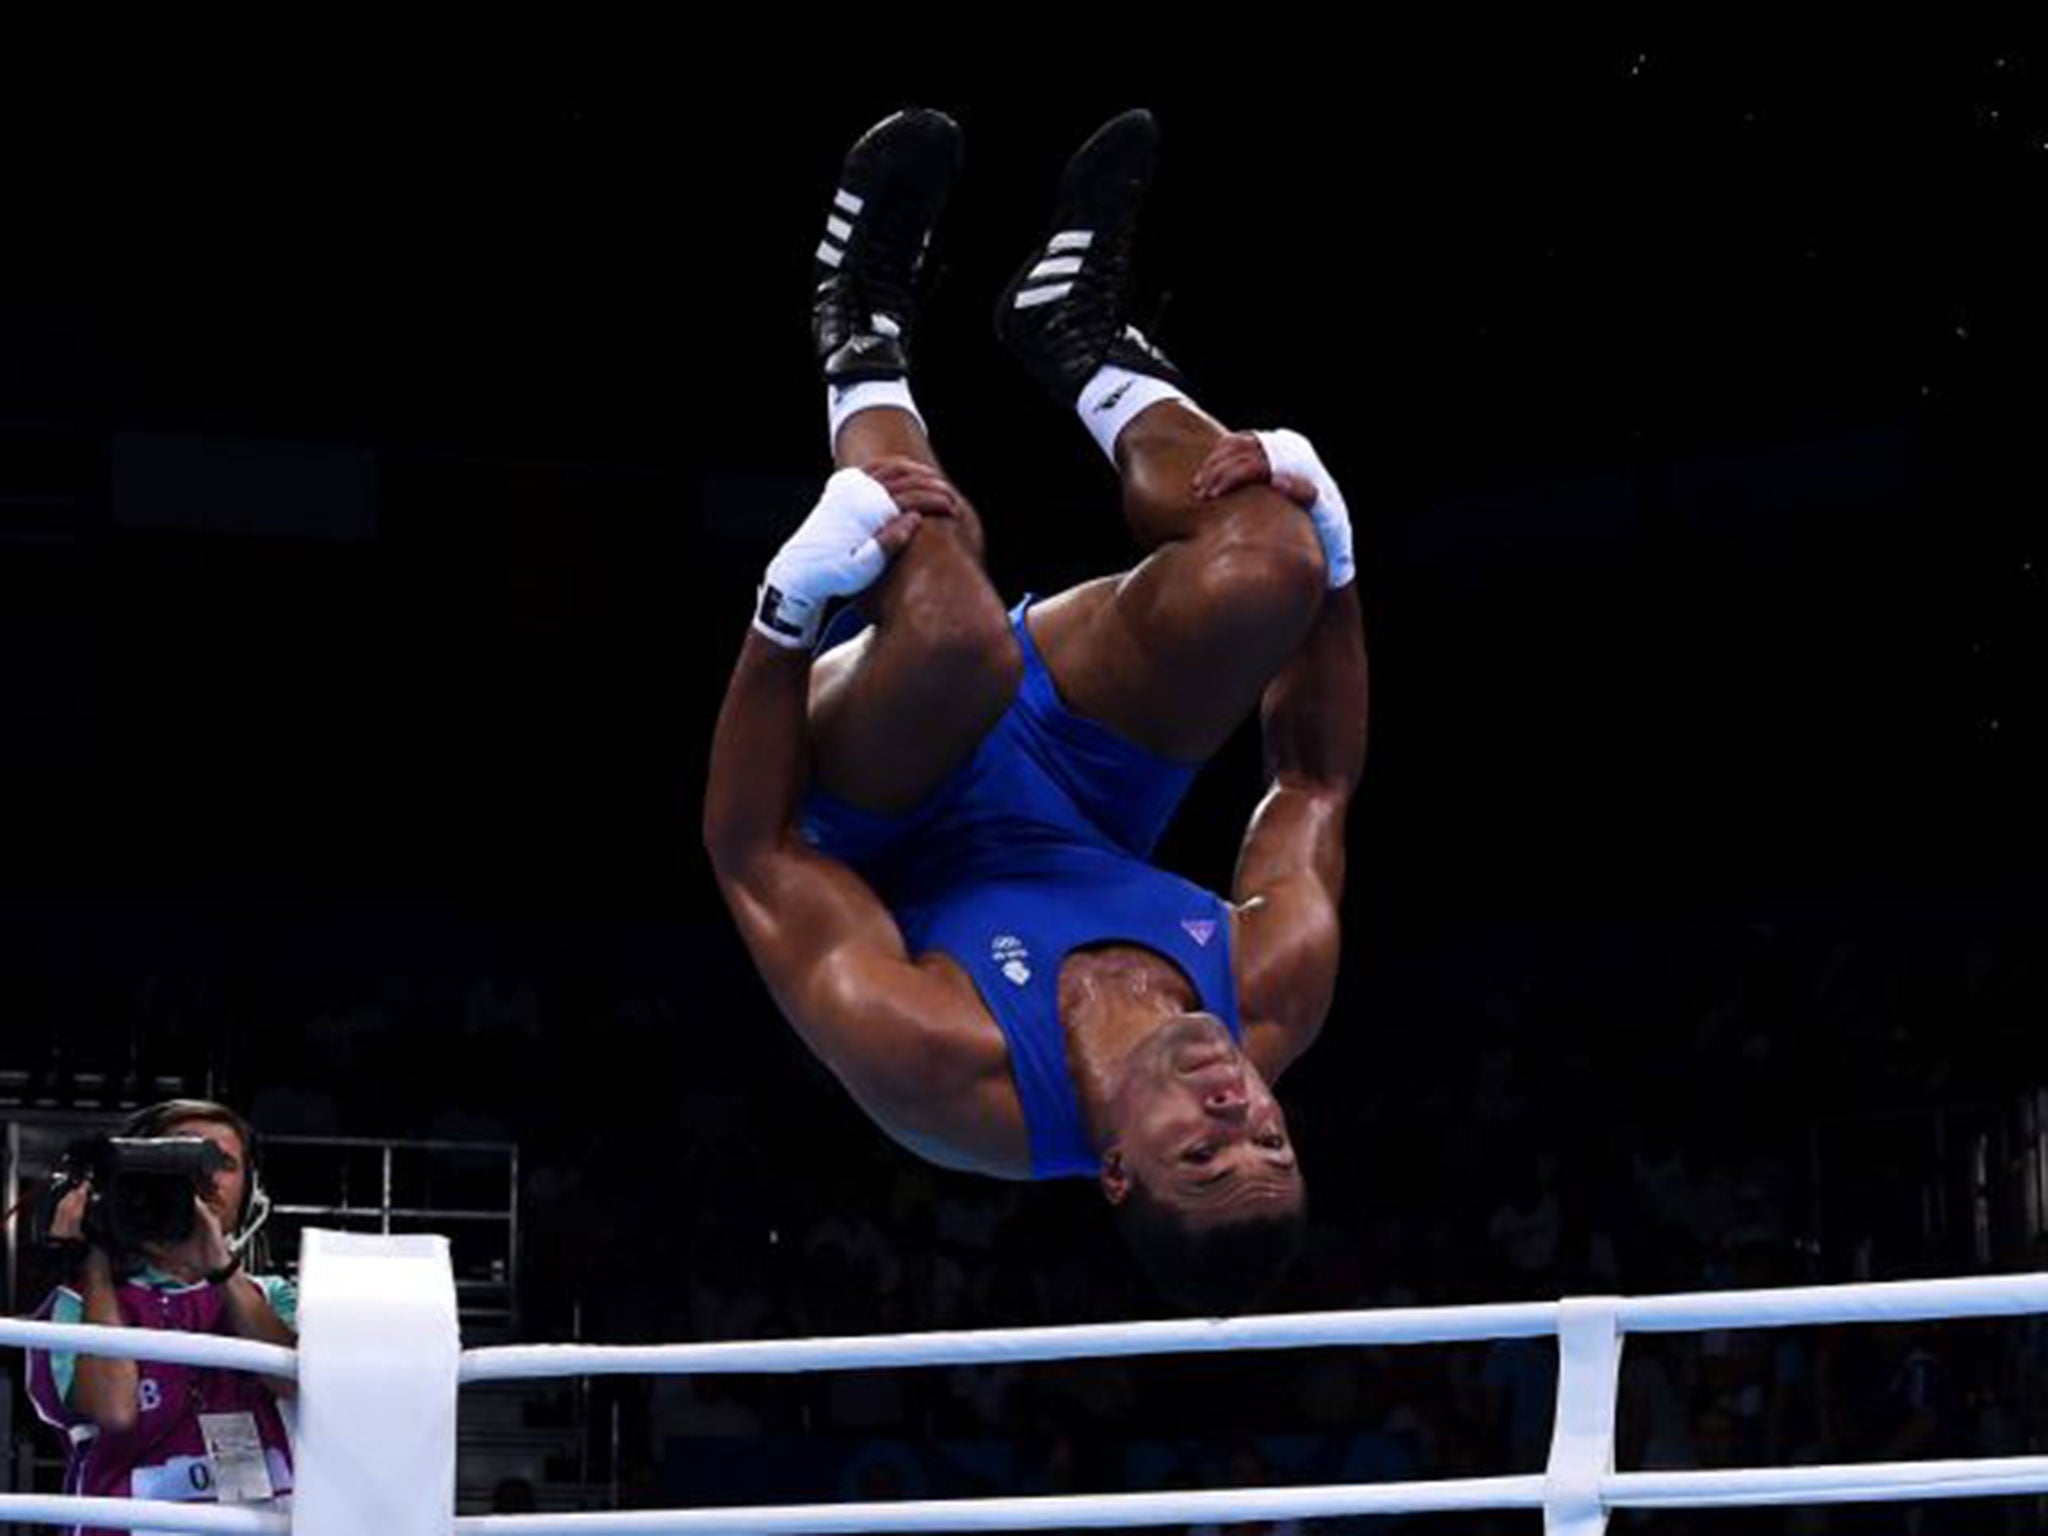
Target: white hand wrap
{"points": [[1289, 453], [833, 553]]}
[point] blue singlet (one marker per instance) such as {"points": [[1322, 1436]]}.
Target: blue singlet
{"points": [[1035, 847]]}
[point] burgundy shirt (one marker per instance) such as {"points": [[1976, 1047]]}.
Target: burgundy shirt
{"points": [[164, 1455]]}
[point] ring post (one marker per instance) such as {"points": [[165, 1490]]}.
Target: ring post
{"points": [[379, 1348], [1582, 1441]]}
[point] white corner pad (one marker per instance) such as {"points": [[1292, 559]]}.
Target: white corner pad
{"points": [[379, 1354], [1589, 1341]]}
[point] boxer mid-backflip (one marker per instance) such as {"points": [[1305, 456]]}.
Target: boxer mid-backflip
{"points": [[934, 836]]}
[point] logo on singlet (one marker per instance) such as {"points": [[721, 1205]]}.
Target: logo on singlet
{"points": [[1010, 956], [1200, 929]]}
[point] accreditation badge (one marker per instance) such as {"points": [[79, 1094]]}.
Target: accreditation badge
{"points": [[234, 1448]]}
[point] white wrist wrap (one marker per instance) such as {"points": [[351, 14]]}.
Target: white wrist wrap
{"points": [[1289, 453], [833, 553]]}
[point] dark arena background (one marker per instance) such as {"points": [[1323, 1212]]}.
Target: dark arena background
{"points": [[385, 469]]}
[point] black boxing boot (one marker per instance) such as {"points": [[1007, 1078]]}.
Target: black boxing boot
{"points": [[1065, 313], [869, 263]]}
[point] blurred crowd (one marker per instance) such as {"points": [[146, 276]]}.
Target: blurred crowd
{"points": [[1635, 1110]]}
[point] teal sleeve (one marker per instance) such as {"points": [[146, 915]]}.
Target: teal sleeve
{"points": [[283, 1297], [69, 1307]]}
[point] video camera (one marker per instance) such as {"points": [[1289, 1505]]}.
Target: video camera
{"points": [[143, 1189]]}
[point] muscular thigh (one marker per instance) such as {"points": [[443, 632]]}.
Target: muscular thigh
{"points": [[896, 711], [1096, 645], [1174, 654], [1076, 633]]}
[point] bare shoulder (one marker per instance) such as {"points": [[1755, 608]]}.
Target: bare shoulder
{"points": [[945, 1092]]}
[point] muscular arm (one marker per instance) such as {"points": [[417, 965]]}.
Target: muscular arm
{"points": [[1290, 871], [828, 949]]}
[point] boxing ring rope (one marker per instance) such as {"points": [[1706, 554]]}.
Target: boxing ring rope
{"points": [[153, 1344], [379, 1364], [141, 1515], [1881, 1302]]}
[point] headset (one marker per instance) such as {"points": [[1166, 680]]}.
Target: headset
{"points": [[255, 1208]]}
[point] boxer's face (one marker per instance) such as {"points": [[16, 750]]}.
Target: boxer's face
{"points": [[1198, 1127]]}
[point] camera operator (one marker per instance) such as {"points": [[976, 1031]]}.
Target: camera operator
{"points": [[151, 1430]]}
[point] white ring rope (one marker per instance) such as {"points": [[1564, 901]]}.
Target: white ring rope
{"points": [[1893, 1302], [1868, 1483], [397, 1348], [1066, 1510], [1889, 1301], [1306, 1330], [152, 1344], [138, 1514], [1623, 1490]]}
